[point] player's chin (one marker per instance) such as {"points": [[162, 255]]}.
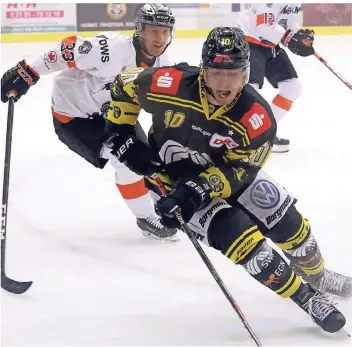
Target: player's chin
{"points": [[224, 97], [157, 50]]}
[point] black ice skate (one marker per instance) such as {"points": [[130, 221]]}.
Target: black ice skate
{"points": [[153, 229], [329, 282], [280, 145], [320, 308]]}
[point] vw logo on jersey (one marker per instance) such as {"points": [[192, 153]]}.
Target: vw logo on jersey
{"points": [[265, 195]]}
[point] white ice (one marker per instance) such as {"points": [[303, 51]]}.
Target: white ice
{"points": [[98, 282]]}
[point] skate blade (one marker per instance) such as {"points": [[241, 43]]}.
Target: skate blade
{"points": [[280, 149], [343, 332], [335, 297], [149, 235]]}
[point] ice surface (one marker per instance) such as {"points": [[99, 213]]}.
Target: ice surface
{"points": [[98, 282]]}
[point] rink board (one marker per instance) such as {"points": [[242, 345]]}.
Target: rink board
{"points": [[180, 34]]}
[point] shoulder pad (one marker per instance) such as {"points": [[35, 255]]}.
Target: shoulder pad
{"points": [[123, 88]]}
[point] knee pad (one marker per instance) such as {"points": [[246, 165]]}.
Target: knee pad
{"points": [[290, 89], [245, 244], [294, 237], [291, 231]]}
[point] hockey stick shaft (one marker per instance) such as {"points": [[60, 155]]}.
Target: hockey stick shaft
{"points": [[6, 180], [7, 283], [342, 79], [209, 265]]}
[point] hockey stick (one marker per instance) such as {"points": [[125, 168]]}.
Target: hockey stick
{"points": [[7, 283], [209, 265], [349, 85]]}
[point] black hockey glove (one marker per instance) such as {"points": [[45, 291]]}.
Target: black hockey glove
{"points": [[18, 80], [188, 195], [299, 42], [135, 154]]}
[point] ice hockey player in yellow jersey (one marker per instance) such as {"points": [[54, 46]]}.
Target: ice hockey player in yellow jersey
{"points": [[211, 135]]}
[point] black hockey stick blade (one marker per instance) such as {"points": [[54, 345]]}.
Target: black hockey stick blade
{"points": [[14, 287]]}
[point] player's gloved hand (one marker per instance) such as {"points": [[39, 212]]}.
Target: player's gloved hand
{"points": [[135, 154], [188, 195], [18, 80], [299, 42]]}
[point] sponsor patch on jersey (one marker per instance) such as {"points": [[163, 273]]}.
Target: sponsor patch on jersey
{"points": [[116, 112], [256, 120], [203, 132], [264, 194], [219, 141], [166, 81], [85, 47], [292, 8], [51, 57], [216, 183], [104, 49]]}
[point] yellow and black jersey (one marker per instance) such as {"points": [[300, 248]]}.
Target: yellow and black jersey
{"points": [[192, 136]]}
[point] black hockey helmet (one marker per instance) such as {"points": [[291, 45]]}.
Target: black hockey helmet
{"points": [[226, 48], [154, 14]]}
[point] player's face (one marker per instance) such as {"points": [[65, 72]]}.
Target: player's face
{"points": [[155, 39], [224, 83]]}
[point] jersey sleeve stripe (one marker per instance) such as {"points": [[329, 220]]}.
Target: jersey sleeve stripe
{"points": [[257, 42]]}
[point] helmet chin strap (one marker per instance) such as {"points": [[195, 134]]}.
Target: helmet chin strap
{"points": [[209, 91], [204, 81]]}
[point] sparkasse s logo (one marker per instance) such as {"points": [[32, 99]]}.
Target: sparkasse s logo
{"points": [[166, 81], [256, 120]]}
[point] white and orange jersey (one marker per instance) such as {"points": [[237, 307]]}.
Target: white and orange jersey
{"points": [[89, 67], [265, 24]]}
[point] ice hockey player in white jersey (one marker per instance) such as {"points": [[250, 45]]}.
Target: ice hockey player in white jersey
{"points": [[266, 27], [81, 96]]}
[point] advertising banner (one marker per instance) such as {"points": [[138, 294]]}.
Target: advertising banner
{"points": [[327, 14], [105, 17], [35, 17]]}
